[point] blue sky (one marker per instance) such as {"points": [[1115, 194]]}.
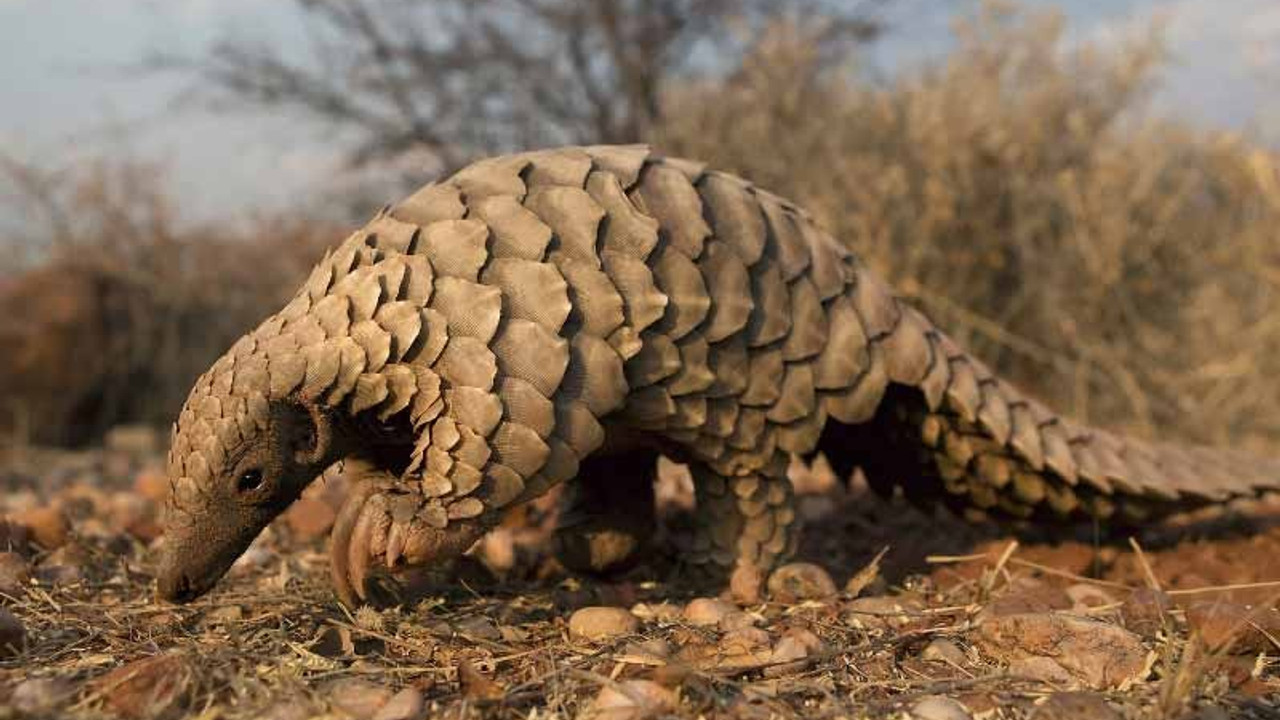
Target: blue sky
{"points": [[66, 92]]}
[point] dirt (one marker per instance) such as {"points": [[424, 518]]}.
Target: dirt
{"points": [[955, 618]]}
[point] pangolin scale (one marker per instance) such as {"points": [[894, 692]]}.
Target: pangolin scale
{"points": [[573, 312]]}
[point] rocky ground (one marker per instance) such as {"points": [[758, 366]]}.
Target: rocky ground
{"points": [[888, 612]]}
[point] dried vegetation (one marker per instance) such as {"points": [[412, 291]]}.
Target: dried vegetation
{"points": [[1123, 268]]}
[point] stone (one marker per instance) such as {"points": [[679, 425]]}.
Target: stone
{"points": [[630, 700], [48, 526], [1075, 706], [158, 686], [1231, 627], [15, 575], [13, 634], [404, 705], [796, 582], [1145, 611], [602, 623], [938, 707], [310, 517], [41, 696], [708, 611], [1097, 655], [358, 698]]}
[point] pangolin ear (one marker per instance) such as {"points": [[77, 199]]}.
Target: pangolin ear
{"points": [[309, 434]]}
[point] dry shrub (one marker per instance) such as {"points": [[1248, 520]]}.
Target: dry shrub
{"points": [[1123, 268], [124, 305]]}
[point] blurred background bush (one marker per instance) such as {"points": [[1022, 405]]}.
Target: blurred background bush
{"points": [[1120, 265]]}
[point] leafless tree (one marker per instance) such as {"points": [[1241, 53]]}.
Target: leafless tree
{"points": [[450, 79]]}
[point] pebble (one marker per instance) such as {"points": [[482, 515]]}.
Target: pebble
{"points": [[708, 611], [404, 705], [39, 696], [13, 635], [1144, 611], [1232, 627], [602, 623], [656, 612], [796, 582], [1098, 655], [152, 484], [48, 526], [310, 518], [879, 612], [938, 707], [1086, 595], [152, 687], [944, 651], [15, 575], [1027, 597], [356, 697], [1075, 706], [630, 700]]}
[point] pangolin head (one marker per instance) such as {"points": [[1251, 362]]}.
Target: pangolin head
{"points": [[238, 458]]}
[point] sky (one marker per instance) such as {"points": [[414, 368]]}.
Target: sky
{"points": [[70, 90]]}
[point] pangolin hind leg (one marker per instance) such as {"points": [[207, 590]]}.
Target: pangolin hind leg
{"points": [[607, 513], [744, 526]]}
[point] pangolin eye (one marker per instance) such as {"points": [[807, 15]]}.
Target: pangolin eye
{"points": [[250, 480]]}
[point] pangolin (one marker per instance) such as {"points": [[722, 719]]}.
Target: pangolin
{"points": [[568, 315]]}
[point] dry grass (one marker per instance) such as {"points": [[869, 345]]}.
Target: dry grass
{"points": [[122, 304], [1122, 268], [271, 640]]}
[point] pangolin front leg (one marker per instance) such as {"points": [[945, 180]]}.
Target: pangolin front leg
{"points": [[384, 531]]}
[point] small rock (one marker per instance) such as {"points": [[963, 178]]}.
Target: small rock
{"points": [[49, 527], [656, 612], [793, 653], [1045, 669], [708, 611], [15, 575], [1145, 611], [223, 615], [738, 651], [654, 651], [630, 700], [13, 636], [476, 686], [1027, 597], [938, 707], [39, 696], [479, 627], [796, 582], [157, 686], [1075, 706], [1085, 596], [602, 623], [357, 697], [14, 537], [65, 566], [310, 518], [295, 708], [1232, 627], [944, 651], [1097, 654], [879, 612], [404, 705], [152, 484]]}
